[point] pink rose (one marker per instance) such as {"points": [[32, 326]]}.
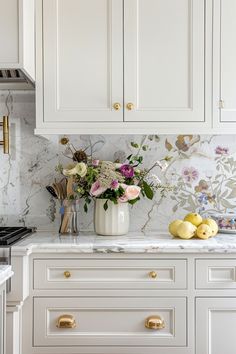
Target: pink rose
{"points": [[123, 199], [132, 192], [95, 163], [127, 171], [114, 184], [96, 189]]}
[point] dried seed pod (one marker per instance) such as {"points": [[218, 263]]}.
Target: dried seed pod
{"points": [[64, 140], [80, 156]]}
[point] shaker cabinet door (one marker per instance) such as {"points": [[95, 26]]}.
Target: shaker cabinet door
{"points": [[9, 34], [82, 60], [164, 60], [224, 60], [215, 326]]}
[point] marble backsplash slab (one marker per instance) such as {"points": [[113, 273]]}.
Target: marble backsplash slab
{"points": [[202, 171]]}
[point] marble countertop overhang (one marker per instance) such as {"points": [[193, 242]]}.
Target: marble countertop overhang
{"points": [[5, 273], [133, 242]]}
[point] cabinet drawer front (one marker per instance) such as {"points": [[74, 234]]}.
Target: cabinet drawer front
{"points": [[109, 321], [216, 273], [112, 274]]}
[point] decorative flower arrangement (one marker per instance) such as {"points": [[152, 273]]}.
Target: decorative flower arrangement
{"points": [[113, 181]]}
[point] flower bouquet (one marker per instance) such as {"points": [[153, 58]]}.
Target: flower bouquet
{"points": [[113, 186]]}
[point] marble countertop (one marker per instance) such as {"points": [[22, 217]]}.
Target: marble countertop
{"points": [[134, 242], [5, 273]]}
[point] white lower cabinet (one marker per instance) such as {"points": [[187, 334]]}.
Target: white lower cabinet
{"points": [[109, 321], [215, 325], [129, 304]]}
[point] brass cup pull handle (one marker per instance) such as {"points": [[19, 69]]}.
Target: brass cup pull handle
{"points": [[67, 274], [154, 322], [130, 106], [66, 321], [117, 106], [5, 142], [152, 275]]}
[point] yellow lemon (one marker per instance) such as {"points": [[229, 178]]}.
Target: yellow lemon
{"points": [[173, 227], [194, 218], [204, 231], [213, 225], [186, 230]]}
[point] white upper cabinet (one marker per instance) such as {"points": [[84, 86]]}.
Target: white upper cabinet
{"points": [[83, 60], [135, 66], [224, 59], [17, 39], [9, 34], [164, 60]]}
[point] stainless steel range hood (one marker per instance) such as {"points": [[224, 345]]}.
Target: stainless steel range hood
{"points": [[15, 79]]}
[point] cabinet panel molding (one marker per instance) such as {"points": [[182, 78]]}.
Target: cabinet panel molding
{"points": [[164, 60], [215, 325], [82, 60]]}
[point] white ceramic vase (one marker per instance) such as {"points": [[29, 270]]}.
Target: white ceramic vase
{"points": [[111, 222]]}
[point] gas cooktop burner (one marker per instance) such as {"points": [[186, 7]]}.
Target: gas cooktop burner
{"points": [[9, 235]]}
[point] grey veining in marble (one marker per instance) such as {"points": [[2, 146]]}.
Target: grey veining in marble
{"points": [[5, 273], [134, 242], [202, 170]]}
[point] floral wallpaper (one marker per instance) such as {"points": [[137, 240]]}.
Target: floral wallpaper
{"points": [[201, 171]]}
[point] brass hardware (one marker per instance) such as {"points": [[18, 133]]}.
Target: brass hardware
{"points": [[67, 274], [5, 142], [64, 140], [221, 104], [116, 106], [154, 322], [153, 275], [130, 106], [66, 321]]}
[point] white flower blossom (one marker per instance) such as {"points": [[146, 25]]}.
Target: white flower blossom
{"points": [[154, 179], [162, 164], [79, 169]]}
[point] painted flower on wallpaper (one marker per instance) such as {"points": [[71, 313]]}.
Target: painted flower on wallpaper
{"points": [[221, 150], [202, 186], [215, 192], [207, 199], [184, 142], [203, 198], [190, 174]]}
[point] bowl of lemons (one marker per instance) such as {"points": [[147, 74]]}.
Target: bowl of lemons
{"points": [[193, 225]]}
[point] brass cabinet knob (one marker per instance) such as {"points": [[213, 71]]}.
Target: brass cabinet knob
{"points": [[66, 321], [130, 106], [153, 275], [117, 106], [67, 274], [154, 322]]}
